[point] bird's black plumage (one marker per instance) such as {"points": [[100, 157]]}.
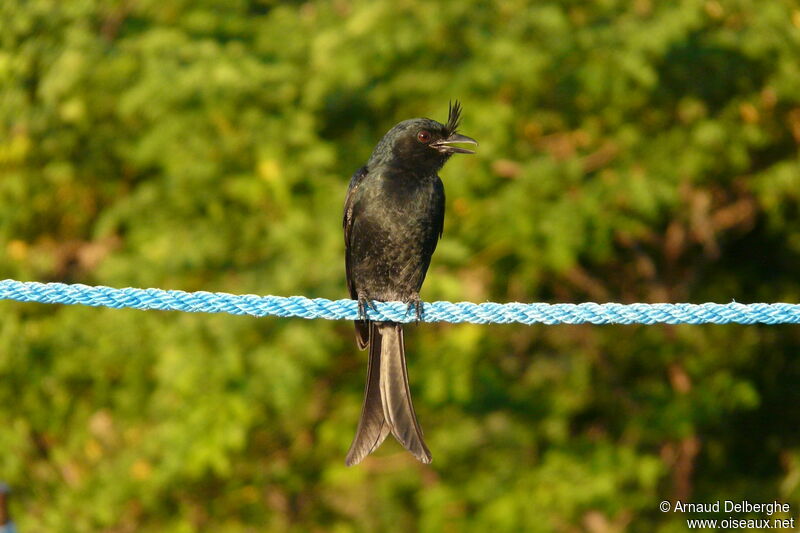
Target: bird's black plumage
{"points": [[393, 219]]}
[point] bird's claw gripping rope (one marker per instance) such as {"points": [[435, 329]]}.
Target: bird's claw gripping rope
{"points": [[365, 303], [417, 306]]}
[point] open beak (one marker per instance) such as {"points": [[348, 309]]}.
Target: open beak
{"points": [[446, 145]]}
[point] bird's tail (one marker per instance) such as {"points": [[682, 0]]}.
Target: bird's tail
{"points": [[387, 398], [372, 427]]}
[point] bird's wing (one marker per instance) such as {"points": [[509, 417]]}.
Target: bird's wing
{"points": [[347, 223], [436, 229], [362, 326], [439, 218]]}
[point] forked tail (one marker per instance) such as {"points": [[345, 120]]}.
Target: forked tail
{"points": [[387, 398]]}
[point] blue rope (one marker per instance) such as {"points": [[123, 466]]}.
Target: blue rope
{"points": [[485, 313]]}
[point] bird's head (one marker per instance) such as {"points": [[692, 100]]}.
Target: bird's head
{"points": [[423, 144]]}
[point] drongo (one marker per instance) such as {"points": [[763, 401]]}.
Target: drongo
{"points": [[393, 218]]}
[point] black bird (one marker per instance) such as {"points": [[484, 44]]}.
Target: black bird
{"points": [[393, 218]]}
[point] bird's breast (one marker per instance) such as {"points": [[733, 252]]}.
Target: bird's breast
{"points": [[406, 201], [394, 235]]}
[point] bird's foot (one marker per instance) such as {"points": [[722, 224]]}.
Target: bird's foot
{"points": [[416, 305], [365, 303]]}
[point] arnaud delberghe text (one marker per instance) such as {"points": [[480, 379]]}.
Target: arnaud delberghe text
{"points": [[729, 506]]}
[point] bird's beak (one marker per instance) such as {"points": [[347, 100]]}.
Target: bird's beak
{"points": [[446, 145]]}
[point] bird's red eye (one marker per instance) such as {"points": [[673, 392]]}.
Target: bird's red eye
{"points": [[424, 137]]}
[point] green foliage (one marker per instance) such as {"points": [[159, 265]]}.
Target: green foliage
{"points": [[630, 151]]}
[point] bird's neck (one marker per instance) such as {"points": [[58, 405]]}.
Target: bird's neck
{"points": [[404, 165], [405, 178]]}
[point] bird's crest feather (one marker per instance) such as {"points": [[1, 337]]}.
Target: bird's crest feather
{"points": [[454, 117]]}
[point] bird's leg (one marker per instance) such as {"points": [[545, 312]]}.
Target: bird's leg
{"points": [[416, 304]]}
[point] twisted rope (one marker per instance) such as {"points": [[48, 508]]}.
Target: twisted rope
{"points": [[485, 313]]}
